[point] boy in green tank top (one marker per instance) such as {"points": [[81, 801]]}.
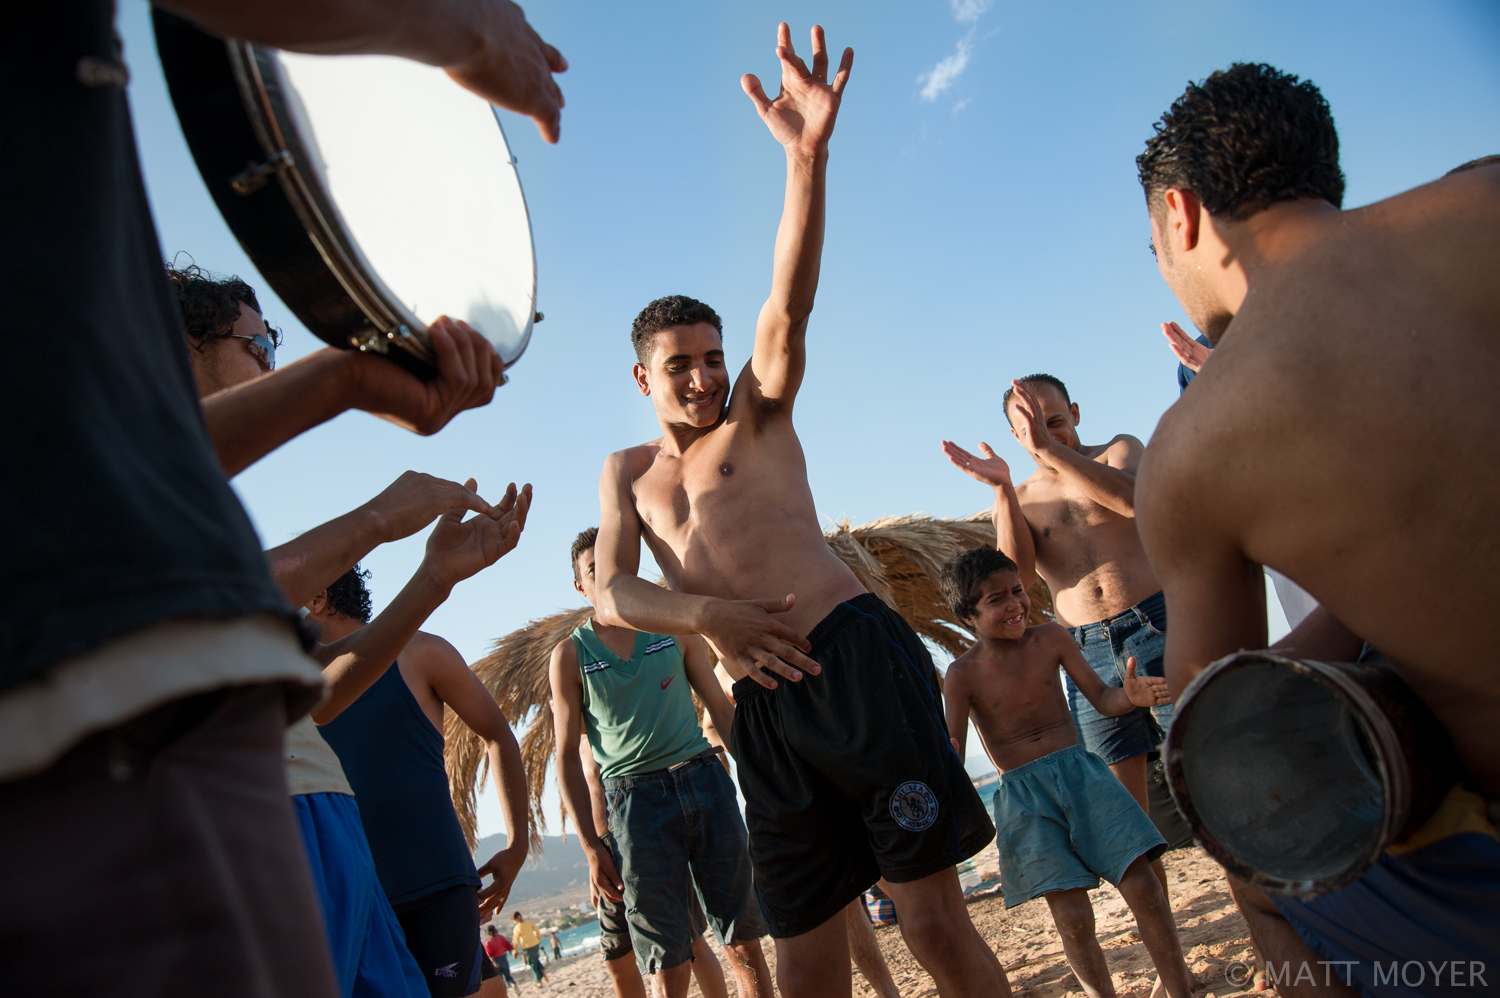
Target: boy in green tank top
{"points": [[673, 818]]}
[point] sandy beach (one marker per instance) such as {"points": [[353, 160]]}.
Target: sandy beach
{"points": [[1213, 934]]}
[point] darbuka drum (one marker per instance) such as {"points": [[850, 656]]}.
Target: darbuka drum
{"points": [[373, 193], [1297, 775]]}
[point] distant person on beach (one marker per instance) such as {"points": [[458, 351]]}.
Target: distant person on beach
{"points": [[1062, 821], [149, 663], [371, 952], [390, 741], [1073, 523], [556, 946], [529, 941], [498, 948], [842, 753], [631, 694], [1335, 329]]}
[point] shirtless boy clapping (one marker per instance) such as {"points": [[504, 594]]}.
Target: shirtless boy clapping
{"points": [[1062, 821], [844, 759]]}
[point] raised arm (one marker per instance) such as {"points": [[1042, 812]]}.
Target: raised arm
{"points": [[252, 419], [486, 45], [456, 550], [1110, 483], [310, 562], [1012, 533], [567, 726], [801, 118], [748, 639]]}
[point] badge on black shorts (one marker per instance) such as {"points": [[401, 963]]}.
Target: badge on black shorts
{"points": [[914, 806]]}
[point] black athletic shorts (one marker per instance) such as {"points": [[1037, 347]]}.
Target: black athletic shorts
{"points": [[442, 933], [849, 776]]}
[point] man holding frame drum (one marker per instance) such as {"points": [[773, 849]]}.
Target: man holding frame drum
{"points": [[150, 664]]}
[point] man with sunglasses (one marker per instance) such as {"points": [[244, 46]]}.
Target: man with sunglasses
{"points": [[230, 338]]}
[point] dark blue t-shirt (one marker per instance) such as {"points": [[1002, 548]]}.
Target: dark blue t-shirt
{"points": [[393, 757]]}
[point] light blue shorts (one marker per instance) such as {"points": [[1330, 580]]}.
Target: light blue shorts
{"points": [[369, 948], [1064, 821]]}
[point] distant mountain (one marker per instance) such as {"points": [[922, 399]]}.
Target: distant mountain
{"points": [[560, 868]]}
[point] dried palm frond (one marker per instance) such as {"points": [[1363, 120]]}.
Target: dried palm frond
{"points": [[897, 558]]}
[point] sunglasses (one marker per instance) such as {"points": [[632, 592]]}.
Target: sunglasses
{"points": [[262, 348]]}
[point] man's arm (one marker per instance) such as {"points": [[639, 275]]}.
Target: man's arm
{"points": [[455, 550], [1110, 483], [1012, 533], [956, 706], [594, 777], [748, 639], [252, 419], [449, 676], [310, 562], [801, 118], [700, 676], [486, 46], [567, 724]]}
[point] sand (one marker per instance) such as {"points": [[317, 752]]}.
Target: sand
{"points": [[1213, 934]]}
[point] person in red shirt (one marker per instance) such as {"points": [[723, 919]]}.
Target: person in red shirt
{"points": [[498, 949]]}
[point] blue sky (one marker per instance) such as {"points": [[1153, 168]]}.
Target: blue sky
{"points": [[984, 222]]}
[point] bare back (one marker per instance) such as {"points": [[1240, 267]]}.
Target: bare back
{"points": [[1090, 556], [1347, 434], [733, 516], [1015, 698]]}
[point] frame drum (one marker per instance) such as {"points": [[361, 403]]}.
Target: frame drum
{"points": [[373, 193], [1297, 775]]}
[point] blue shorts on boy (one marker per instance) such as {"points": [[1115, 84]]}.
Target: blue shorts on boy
{"points": [[1140, 633], [369, 948], [1064, 821]]}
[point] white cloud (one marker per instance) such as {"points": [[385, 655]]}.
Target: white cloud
{"points": [[969, 11], [943, 75], [961, 104]]}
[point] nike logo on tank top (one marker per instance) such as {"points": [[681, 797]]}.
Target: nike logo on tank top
{"points": [[638, 720]]}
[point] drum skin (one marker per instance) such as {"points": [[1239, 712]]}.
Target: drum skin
{"points": [[223, 142]]}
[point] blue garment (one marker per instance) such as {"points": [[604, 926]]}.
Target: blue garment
{"points": [[1141, 633], [1430, 913], [670, 831], [369, 949], [1185, 374], [1063, 821], [393, 758]]}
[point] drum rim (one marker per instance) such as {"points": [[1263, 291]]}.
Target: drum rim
{"points": [[1359, 703], [261, 79]]}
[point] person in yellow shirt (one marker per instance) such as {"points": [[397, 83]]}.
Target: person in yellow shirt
{"points": [[529, 941]]}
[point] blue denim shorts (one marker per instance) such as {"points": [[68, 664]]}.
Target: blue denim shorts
{"points": [[676, 831], [1141, 633]]}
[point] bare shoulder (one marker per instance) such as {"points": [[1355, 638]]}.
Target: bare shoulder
{"points": [[632, 462], [566, 652], [1123, 451], [429, 653]]}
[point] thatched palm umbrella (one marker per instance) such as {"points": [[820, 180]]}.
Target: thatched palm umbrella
{"points": [[896, 557]]}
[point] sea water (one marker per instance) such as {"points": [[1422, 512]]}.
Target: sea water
{"points": [[578, 939]]}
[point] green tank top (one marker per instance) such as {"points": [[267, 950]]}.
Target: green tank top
{"points": [[638, 714]]}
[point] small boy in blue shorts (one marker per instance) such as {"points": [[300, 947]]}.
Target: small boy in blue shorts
{"points": [[1062, 820]]}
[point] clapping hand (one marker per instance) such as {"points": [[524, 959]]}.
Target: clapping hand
{"points": [[990, 469], [1145, 691], [801, 117], [1190, 353], [458, 548], [1031, 430]]}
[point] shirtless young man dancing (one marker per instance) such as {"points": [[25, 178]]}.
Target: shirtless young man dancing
{"points": [[1073, 522], [845, 766], [1344, 434]]}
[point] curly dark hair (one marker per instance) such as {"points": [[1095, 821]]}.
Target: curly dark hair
{"points": [[582, 543], [962, 577], [1474, 164], [349, 597], [673, 310], [210, 305], [1034, 379], [1242, 140]]}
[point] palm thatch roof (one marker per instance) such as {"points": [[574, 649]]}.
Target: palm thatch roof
{"points": [[897, 558]]}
